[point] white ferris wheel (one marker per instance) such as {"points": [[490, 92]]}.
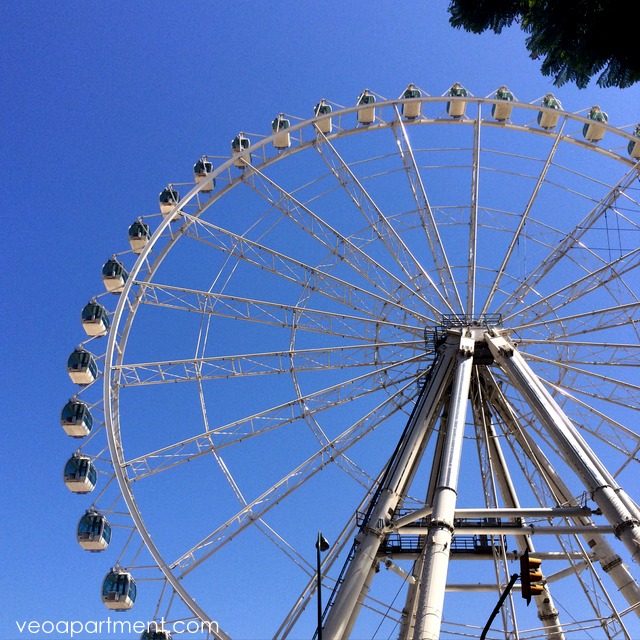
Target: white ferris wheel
{"points": [[409, 327]]}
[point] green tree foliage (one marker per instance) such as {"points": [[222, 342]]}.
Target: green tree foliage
{"points": [[576, 39]]}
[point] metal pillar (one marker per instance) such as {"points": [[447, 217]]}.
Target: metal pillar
{"points": [[611, 499], [609, 560], [547, 612], [343, 612], [436, 562]]}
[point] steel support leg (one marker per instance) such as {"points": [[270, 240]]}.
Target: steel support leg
{"points": [[438, 546], [340, 617], [609, 560], [605, 492], [547, 612]]}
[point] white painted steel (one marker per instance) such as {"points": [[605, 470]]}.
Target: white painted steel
{"points": [[367, 291], [434, 572]]}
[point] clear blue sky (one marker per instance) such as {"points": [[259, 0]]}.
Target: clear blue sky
{"points": [[103, 103]]}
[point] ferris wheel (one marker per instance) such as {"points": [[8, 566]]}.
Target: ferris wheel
{"points": [[374, 374]]}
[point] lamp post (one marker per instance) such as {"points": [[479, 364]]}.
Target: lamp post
{"points": [[322, 544]]}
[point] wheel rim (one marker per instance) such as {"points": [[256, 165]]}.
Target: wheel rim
{"points": [[358, 267]]}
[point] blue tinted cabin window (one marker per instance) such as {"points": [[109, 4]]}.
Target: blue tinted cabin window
{"points": [[139, 230], [79, 359], [96, 526], [280, 123], [156, 634], [82, 360], [91, 312], [111, 584], [551, 102], [240, 143], [75, 412], [457, 91], [504, 94], [202, 167], [366, 99], [114, 269], [120, 583], [169, 196], [80, 467], [94, 312], [598, 115], [322, 108]]}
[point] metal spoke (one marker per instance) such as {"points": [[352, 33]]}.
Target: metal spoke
{"points": [[428, 222], [289, 269], [259, 364], [571, 239], [338, 245], [523, 220], [216, 539], [379, 224], [193, 447]]}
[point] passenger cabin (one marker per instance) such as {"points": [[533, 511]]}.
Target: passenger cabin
{"points": [[548, 118], [82, 367], [119, 590], [168, 201], [114, 275], [202, 171], [76, 419], [634, 145], [456, 108], [80, 474], [280, 127], [501, 111], [367, 114], [411, 110], [155, 632], [139, 236], [594, 131], [325, 125], [95, 320], [94, 532], [239, 144]]}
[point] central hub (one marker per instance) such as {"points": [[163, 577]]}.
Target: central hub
{"points": [[476, 325]]}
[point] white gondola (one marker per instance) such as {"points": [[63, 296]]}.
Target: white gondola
{"points": [[114, 275], [139, 236], [76, 419], [95, 320], [411, 110], [368, 114], [94, 532], [325, 125], [155, 632], [548, 119], [168, 199], [280, 127], [82, 367], [80, 474], [239, 144], [501, 111], [119, 590], [634, 145], [202, 171], [594, 131], [456, 108]]}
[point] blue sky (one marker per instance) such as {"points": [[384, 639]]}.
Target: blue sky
{"points": [[103, 103]]}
